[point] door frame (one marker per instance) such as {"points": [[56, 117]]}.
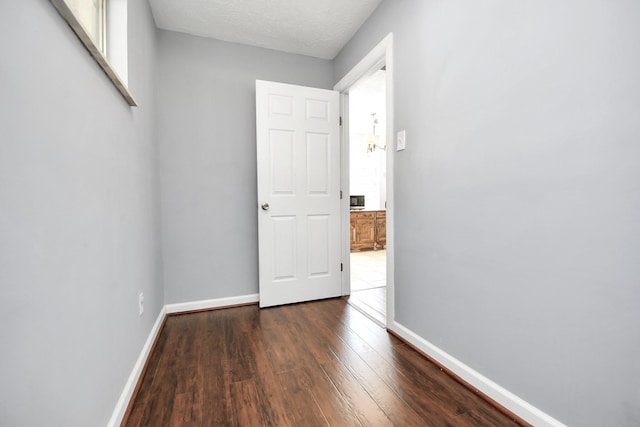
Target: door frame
{"points": [[379, 56]]}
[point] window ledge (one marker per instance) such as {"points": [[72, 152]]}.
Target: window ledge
{"points": [[100, 58]]}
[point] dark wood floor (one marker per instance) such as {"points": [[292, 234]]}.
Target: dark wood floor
{"points": [[312, 364]]}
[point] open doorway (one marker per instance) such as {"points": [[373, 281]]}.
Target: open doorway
{"points": [[368, 195], [379, 58]]}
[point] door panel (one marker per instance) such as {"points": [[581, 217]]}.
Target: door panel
{"points": [[284, 238], [318, 163], [318, 244], [282, 161], [298, 150]]}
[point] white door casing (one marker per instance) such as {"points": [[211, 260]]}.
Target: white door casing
{"points": [[298, 152], [380, 55]]}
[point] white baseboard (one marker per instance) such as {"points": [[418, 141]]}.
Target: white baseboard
{"points": [[129, 388], [211, 303], [497, 393]]}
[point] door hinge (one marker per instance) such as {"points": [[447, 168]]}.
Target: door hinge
{"points": [[340, 121], [340, 194], [341, 267]]}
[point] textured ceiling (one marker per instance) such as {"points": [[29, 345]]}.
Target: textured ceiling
{"points": [[318, 28]]}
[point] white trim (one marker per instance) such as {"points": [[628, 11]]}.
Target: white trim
{"points": [[345, 215], [134, 377], [211, 303], [97, 54], [497, 393], [130, 386], [380, 55], [368, 65]]}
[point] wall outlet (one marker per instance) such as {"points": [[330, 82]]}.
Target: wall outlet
{"points": [[140, 303]]}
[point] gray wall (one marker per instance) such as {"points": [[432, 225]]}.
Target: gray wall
{"points": [[518, 197], [208, 159], [78, 219]]}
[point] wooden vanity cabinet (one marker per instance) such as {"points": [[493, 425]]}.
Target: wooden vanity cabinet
{"points": [[381, 229], [368, 229]]}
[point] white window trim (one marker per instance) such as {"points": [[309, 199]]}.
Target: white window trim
{"points": [[95, 51]]}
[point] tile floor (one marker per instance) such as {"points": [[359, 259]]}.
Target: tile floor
{"points": [[368, 283]]}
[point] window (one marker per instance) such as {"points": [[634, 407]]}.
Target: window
{"points": [[101, 25], [91, 14]]}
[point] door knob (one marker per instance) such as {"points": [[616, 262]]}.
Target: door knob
{"points": [[265, 206]]}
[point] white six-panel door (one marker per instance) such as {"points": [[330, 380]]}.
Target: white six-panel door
{"points": [[298, 150]]}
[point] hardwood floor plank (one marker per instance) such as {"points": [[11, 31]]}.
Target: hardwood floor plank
{"points": [[216, 381], [373, 334], [452, 394], [310, 364], [429, 382], [477, 417], [335, 408], [360, 402], [246, 404], [279, 341], [146, 406], [240, 358], [317, 354], [429, 404], [273, 409], [216, 389], [396, 409], [182, 415], [424, 405], [419, 400], [300, 400], [330, 356]]}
